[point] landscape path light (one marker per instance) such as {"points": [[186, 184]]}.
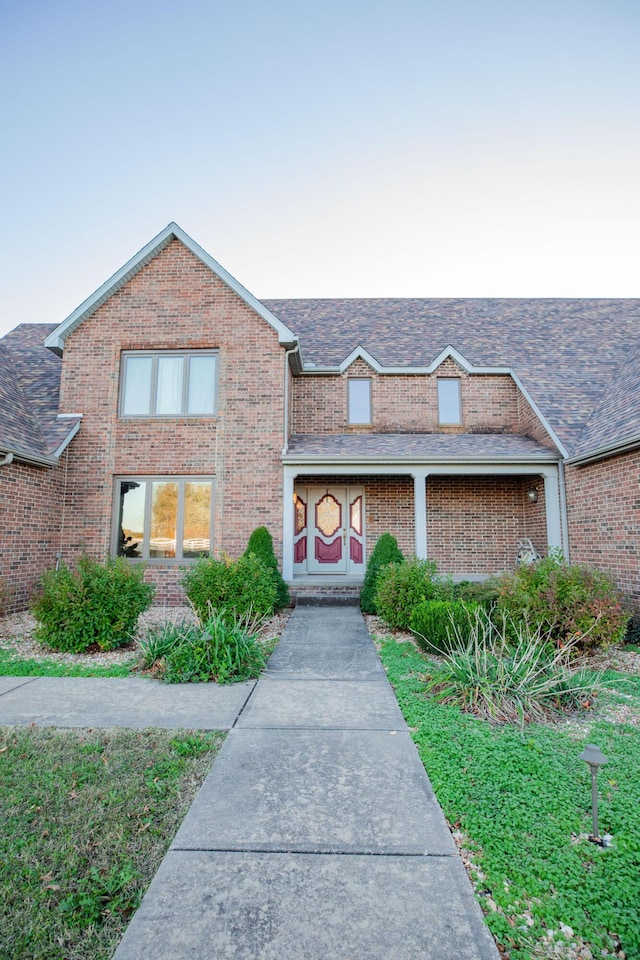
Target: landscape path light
{"points": [[595, 758]]}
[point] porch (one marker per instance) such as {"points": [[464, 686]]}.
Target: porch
{"points": [[467, 511]]}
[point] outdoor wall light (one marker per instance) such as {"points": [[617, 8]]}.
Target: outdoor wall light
{"points": [[595, 758], [532, 495]]}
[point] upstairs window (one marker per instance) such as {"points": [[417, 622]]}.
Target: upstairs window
{"points": [[163, 384], [359, 399], [449, 406]]}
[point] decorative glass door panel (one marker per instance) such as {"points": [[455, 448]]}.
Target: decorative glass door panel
{"points": [[328, 531]]}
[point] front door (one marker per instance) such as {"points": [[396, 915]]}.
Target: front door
{"points": [[328, 530]]}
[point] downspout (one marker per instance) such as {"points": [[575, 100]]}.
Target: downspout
{"points": [[564, 520], [287, 354], [6, 460]]}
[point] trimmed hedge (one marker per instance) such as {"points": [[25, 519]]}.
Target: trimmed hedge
{"points": [[443, 625]]}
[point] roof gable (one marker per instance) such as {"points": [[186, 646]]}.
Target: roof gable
{"points": [[55, 340]]}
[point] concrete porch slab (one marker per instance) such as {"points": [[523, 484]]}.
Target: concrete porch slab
{"points": [[235, 906], [322, 704], [317, 791], [136, 702]]}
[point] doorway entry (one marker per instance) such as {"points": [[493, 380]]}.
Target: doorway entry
{"points": [[328, 530]]}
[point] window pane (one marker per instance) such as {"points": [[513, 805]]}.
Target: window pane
{"points": [[137, 386], [197, 520], [359, 401], [169, 389], [131, 526], [449, 400], [164, 517], [202, 378]]}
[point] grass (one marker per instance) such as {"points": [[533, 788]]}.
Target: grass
{"points": [[519, 800], [16, 666], [85, 819]]}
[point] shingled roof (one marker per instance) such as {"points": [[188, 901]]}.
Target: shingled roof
{"points": [[29, 390], [567, 353]]}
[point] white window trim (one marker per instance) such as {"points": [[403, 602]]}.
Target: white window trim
{"points": [[359, 423], [181, 481], [154, 354]]}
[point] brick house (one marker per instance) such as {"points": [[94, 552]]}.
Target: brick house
{"points": [[173, 412]]}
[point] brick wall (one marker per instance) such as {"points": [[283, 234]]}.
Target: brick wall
{"points": [[30, 516], [603, 508], [474, 523], [409, 403], [176, 302]]}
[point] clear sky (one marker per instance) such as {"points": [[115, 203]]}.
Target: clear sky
{"points": [[353, 148]]}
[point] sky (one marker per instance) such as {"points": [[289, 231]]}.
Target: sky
{"points": [[425, 148]]}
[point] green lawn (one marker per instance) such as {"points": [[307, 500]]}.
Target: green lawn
{"points": [[12, 665], [85, 819], [521, 803]]}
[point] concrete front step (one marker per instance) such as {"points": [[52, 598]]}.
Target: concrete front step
{"points": [[321, 594]]}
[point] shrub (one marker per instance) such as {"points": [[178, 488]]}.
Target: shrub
{"points": [[507, 682], [565, 601], [221, 649], [97, 603], [401, 587], [238, 587], [439, 625], [632, 635], [261, 545], [485, 592], [385, 551]]}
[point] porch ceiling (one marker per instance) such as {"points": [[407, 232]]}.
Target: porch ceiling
{"points": [[426, 448]]}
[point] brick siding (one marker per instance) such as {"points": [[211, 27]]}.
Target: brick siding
{"points": [[30, 516], [603, 507], [176, 302], [409, 403]]}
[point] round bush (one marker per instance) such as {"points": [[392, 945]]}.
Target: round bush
{"points": [[401, 587], [97, 603], [242, 587]]}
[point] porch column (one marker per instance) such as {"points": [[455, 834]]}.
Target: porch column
{"points": [[552, 505], [287, 524], [420, 512]]}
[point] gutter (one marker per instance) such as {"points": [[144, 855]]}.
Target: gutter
{"points": [[601, 453], [6, 460], [320, 460], [288, 353]]}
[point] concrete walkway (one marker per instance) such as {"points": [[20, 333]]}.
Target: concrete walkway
{"points": [[316, 835]]}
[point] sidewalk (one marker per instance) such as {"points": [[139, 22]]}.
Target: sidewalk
{"points": [[316, 835]]}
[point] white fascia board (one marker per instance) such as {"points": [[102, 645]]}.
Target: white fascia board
{"points": [[541, 417], [34, 461], [360, 353], [55, 340], [602, 453], [399, 467], [67, 440], [371, 463]]}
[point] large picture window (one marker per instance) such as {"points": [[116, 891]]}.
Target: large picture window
{"points": [[168, 384], [164, 518]]}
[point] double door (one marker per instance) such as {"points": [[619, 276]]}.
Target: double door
{"points": [[329, 530]]}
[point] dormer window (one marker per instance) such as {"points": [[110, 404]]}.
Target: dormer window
{"points": [[449, 405], [359, 400], [168, 384]]}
